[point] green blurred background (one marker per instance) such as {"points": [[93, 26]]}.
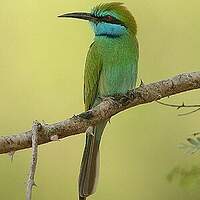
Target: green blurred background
{"points": [[41, 77]]}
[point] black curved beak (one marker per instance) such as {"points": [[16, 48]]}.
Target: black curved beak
{"points": [[80, 15]]}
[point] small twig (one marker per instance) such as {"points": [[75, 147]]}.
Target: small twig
{"points": [[30, 183], [177, 106], [188, 113]]}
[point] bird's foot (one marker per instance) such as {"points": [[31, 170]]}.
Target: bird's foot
{"points": [[131, 94], [101, 98], [142, 84]]}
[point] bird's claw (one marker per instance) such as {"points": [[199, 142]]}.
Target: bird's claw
{"points": [[141, 83], [131, 94]]}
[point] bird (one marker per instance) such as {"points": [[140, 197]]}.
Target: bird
{"points": [[111, 68]]}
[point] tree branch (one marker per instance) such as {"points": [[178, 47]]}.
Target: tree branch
{"points": [[110, 106], [31, 182]]}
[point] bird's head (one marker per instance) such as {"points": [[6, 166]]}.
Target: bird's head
{"points": [[109, 19]]}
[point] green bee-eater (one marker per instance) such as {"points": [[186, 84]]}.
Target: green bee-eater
{"points": [[111, 68]]}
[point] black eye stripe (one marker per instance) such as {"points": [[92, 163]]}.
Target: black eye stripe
{"points": [[110, 19]]}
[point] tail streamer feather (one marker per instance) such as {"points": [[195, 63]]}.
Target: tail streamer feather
{"points": [[89, 171]]}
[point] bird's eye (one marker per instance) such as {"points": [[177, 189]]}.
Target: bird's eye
{"points": [[109, 18]]}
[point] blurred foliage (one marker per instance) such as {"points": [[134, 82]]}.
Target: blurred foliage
{"points": [[192, 145], [186, 177]]}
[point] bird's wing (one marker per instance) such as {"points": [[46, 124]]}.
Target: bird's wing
{"points": [[91, 75]]}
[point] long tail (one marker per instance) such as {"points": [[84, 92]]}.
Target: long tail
{"points": [[89, 171]]}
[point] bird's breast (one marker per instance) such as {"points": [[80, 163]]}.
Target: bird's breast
{"points": [[119, 70]]}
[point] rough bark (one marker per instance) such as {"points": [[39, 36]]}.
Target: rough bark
{"points": [[110, 106], [31, 182]]}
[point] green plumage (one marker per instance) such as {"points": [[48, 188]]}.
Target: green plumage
{"points": [[111, 68]]}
